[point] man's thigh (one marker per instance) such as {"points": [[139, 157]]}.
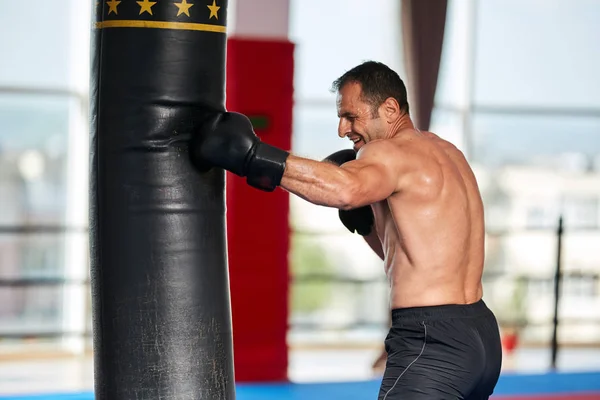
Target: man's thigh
{"points": [[417, 382]]}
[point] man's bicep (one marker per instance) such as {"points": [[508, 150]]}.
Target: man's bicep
{"points": [[374, 180], [380, 176], [389, 162]]}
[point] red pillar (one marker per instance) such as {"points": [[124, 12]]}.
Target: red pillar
{"points": [[260, 84]]}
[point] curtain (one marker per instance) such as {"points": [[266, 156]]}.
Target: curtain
{"points": [[423, 23]]}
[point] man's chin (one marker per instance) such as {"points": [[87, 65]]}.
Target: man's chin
{"points": [[358, 145]]}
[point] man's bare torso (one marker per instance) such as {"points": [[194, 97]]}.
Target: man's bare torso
{"points": [[432, 233]]}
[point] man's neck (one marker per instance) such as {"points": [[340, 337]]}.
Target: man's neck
{"points": [[403, 124]]}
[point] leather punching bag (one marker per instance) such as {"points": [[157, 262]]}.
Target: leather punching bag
{"points": [[160, 292]]}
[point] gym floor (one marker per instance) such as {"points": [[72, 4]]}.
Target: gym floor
{"points": [[321, 375], [523, 387]]}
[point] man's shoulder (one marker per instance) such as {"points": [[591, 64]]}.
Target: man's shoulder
{"points": [[382, 147], [398, 154], [405, 147]]}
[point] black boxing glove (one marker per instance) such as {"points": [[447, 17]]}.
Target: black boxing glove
{"points": [[359, 220], [227, 140]]}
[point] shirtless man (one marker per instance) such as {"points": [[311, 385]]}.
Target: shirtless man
{"points": [[428, 227]]}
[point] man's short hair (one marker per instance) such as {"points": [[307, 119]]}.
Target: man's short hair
{"points": [[378, 82]]}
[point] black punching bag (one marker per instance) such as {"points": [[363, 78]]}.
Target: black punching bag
{"points": [[160, 289]]}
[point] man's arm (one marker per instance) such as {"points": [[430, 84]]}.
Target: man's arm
{"points": [[372, 177], [227, 140]]}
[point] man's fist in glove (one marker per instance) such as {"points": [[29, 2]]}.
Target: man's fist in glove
{"points": [[227, 140], [359, 220]]}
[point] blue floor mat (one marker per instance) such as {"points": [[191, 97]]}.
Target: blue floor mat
{"points": [[509, 384]]}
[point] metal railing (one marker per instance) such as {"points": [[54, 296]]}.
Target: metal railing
{"points": [[557, 282]]}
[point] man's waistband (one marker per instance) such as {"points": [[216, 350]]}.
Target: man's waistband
{"points": [[440, 312]]}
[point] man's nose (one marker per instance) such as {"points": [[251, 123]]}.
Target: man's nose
{"points": [[343, 128]]}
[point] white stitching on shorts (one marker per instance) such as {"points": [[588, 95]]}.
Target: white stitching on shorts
{"points": [[413, 361]]}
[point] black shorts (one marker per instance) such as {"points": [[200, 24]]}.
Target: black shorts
{"points": [[442, 352]]}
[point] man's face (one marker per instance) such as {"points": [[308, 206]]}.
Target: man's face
{"points": [[357, 121]]}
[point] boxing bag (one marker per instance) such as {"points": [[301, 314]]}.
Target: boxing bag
{"points": [[160, 294]]}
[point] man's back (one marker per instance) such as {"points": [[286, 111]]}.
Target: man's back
{"points": [[432, 229]]}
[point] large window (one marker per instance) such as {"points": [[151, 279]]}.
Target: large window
{"points": [[338, 288], [43, 169], [548, 57], [520, 103], [333, 36], [514, 136]]}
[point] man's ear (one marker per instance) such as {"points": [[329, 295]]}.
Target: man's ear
{"points": [[391, 109]]}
